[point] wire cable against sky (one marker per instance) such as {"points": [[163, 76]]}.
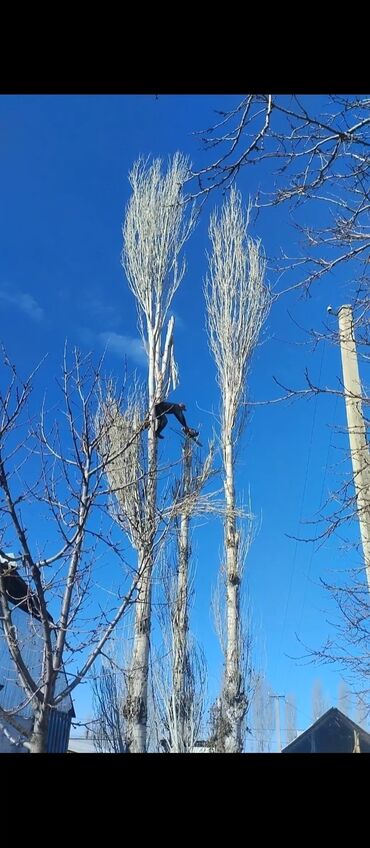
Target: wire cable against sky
{"points": [[293, 566], [313, 549]]}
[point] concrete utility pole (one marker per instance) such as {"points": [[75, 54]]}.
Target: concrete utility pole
{"points": [[277, 718], [356, 428]]}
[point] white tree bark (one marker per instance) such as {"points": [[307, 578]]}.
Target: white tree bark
{"points": [[180, 672], [37, 741], [132, 483], [233, 694], [135, 706], [156, 227], [237, 303], [180, 623]]}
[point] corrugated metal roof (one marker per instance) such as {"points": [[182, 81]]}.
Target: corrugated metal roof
{"points": [[83, 746]]}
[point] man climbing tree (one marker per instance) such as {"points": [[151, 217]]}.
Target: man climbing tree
{"points": [[176, 409], [157, 224]]}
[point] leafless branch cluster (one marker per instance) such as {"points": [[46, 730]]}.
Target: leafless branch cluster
{"points": [[52, 478], [122, 447], [237, 300], [312, 148], [290, 718], [180, 677], [262, 719], [157, 224], [179, 719], [109, 730]]}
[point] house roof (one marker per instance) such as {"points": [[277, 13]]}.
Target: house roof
{"points": [[332, 716], [82, 746], [18, 592]]}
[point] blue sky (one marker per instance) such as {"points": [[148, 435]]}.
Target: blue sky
{"points": [[64, 162]]}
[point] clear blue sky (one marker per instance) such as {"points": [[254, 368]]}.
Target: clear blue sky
{"points": [[64, 162]]}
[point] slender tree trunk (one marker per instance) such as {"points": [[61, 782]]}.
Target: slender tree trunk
{"points": [[232, 697], [237, 304], [180, 623], [37, 743], [135, 709], [156, 227]]}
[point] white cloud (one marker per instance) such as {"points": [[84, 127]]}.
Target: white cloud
{"points": [[86, 336], [124, 346], [23, 301], [97, 308]]}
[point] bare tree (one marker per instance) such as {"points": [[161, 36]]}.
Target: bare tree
{"points": [[109, 684], [290, 718], [319, 702], [362, 712], [317, 149], [180, 678], [109, 727], [314, 151], [181, 705], [237, 302], [156, 227], [344, 698], [348, 643], [52, 477], [178, 667], [263, 721], [178, 722]]}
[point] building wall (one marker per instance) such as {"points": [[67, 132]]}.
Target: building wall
{"points": [[12, 695], [58, 732]]}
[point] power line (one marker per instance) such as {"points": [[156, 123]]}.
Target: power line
{"points": [[313, 550], [293, 566]]}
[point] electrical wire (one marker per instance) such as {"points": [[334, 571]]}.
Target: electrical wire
{"points": [[303, 498]]}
